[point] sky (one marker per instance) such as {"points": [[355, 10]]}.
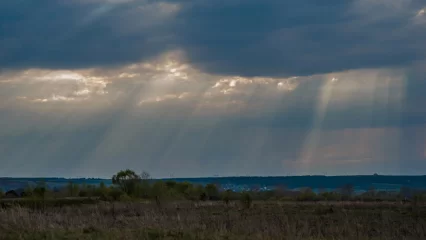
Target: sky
{"points": [[190, 88]]}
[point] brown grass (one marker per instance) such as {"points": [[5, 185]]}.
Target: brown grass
{"points": [[186, 220]]}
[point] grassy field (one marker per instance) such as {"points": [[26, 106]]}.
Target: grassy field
{"points": [[215, 220]]}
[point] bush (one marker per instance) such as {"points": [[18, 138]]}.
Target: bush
{"points": [[83, 193], [246, 200], [158, 192], [307, 195], [125, 198], [226, 196], [203, 196], [184, 188], [212, 192], [73, 189], [419, 197], [347, 191], [102, 191], [331, 196], [142, 189], [171, 184], [116, 193]]}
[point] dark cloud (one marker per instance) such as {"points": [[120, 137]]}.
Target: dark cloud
{"points": [[78, 34], [269, 38], [275, 37]]}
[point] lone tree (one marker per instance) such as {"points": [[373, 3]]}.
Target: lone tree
{"points": [[127, 180]]}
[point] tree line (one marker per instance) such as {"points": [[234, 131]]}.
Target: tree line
{"points": [[127, 185]]}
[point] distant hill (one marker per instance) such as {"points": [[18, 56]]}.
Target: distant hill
{"points": [[14, 183], [360, 183]]}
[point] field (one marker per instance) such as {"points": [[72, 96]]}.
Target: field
{"points": [[216, 220]]}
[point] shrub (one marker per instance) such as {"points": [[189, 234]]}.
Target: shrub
{"points": [[347, 191], [83, 193], [125, 198], [102, 191], [73, 189], [39, 192], [226, 196], [212, 192], [142, 189], [158, 192], [116, 193], [331, 196], [184, 187], [203, 196], [246, 199], [171, 184], [307, 195]]}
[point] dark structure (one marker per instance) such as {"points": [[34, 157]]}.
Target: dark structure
{"points": [[17, 193]]}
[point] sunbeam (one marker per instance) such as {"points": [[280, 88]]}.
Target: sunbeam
{"points": [[312, 140]]}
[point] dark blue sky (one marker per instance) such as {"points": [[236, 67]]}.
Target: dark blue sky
{"points": [[197, 88]]}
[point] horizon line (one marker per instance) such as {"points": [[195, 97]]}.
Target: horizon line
{"points": [[230, 176]]}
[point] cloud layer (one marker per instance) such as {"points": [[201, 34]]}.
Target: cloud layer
{"points": [[248, 38]]}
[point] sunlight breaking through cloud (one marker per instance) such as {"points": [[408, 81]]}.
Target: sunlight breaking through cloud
{"points": [[372, 90], [85, 86], [43, 86]]}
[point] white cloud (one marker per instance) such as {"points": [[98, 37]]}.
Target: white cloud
{"points": [[289, 84], [128, 75], [242, 85], [41, 86], [167, 97], [57, 76], [86, 86], [83, 92], [54, 98]]}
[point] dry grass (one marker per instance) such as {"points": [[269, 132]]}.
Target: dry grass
{"points": [[186, 220]]}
